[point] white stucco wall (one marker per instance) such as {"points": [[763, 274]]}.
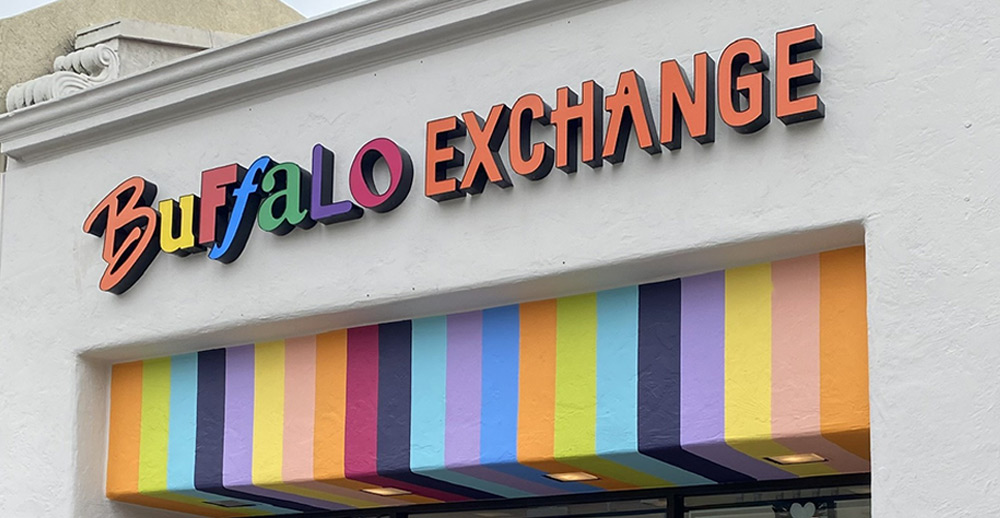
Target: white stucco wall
{"points": [[906, 160]]}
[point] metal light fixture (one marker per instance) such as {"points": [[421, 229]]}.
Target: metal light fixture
{"points": [[796, 458], [572, 476], [386, 491]]}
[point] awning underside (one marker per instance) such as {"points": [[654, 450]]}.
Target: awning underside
{"points": [[691, 381]]}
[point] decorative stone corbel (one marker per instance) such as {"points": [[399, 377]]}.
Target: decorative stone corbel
{"points": [[74, 72]]}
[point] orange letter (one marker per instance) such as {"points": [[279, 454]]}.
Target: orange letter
{"points": [[129, 225], [538, 164], [791, 74], [441, 157], [629, 106], [754, 87], [678, 100], [571, 117], [487, 138]]}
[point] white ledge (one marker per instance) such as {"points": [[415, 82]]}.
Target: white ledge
{"points": [[320, 47]]}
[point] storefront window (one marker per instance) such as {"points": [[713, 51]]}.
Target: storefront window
{"points": [[838, 502], [826, 502]]}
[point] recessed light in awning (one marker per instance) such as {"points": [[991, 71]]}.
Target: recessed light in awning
{"points": [[386, 491], [796, 458], [572, 476]]}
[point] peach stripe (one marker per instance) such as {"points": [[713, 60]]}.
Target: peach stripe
{"points": [[795, 347], [300, 407]]}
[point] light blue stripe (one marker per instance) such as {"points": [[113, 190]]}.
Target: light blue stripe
{"points": [[429, 369], [183, 422], [617, 387], [617, 366]]}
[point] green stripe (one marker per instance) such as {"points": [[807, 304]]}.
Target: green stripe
{"points": [[576, 376], [155, 427]]}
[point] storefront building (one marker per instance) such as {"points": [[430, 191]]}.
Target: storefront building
{"points": [[514, 258]]}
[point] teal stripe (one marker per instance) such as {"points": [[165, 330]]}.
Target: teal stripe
{"points": [[427, 397], [183, 422], [617, 387], [617, 360], [428, 403]]}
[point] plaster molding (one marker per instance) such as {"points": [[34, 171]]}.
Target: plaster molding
{"points": [[326, 46], [74, 73], [153, 32]]}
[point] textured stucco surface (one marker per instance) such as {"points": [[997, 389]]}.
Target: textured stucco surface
{"points": [[29, 42], [907, 152]]}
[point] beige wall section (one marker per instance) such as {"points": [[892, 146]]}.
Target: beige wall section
{"points": [[30, 42]]}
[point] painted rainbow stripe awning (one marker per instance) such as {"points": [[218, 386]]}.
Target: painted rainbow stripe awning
{"points": [[683, 382]]}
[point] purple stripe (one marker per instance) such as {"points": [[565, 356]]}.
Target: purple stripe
{"points": [[238, 445], [703, 381], [464, 389]]}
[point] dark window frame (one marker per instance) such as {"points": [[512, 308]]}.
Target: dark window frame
{"points": [[674, 497]]}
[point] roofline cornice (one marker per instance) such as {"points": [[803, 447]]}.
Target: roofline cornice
{"points": [[324, 46]]}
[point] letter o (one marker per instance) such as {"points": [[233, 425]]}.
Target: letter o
{"points": [[362, 182]]}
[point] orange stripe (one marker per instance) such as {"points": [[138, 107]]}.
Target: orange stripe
{"points": [[124, 428], [844, 417], [331, 399], [537, 392]]}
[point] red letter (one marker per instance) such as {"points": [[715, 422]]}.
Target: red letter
{"points": [[571, 117], [791, 74], [216, 189], [678, 100], [441, 157], [400, 175], [129, 226], [754, 87], [538, 164], [487, 138]]}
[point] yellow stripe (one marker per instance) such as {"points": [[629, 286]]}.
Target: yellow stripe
{"points": [[269, 412]]}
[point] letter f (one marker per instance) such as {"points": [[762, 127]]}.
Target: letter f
{"points": [[246, 200]]}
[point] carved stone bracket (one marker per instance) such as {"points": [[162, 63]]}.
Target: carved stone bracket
{"points": [[74, 72]]}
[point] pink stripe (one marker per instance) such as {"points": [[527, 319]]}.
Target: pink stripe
{"points": [[795, 391], [361, 427], [464, 389], [300, 407]]}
